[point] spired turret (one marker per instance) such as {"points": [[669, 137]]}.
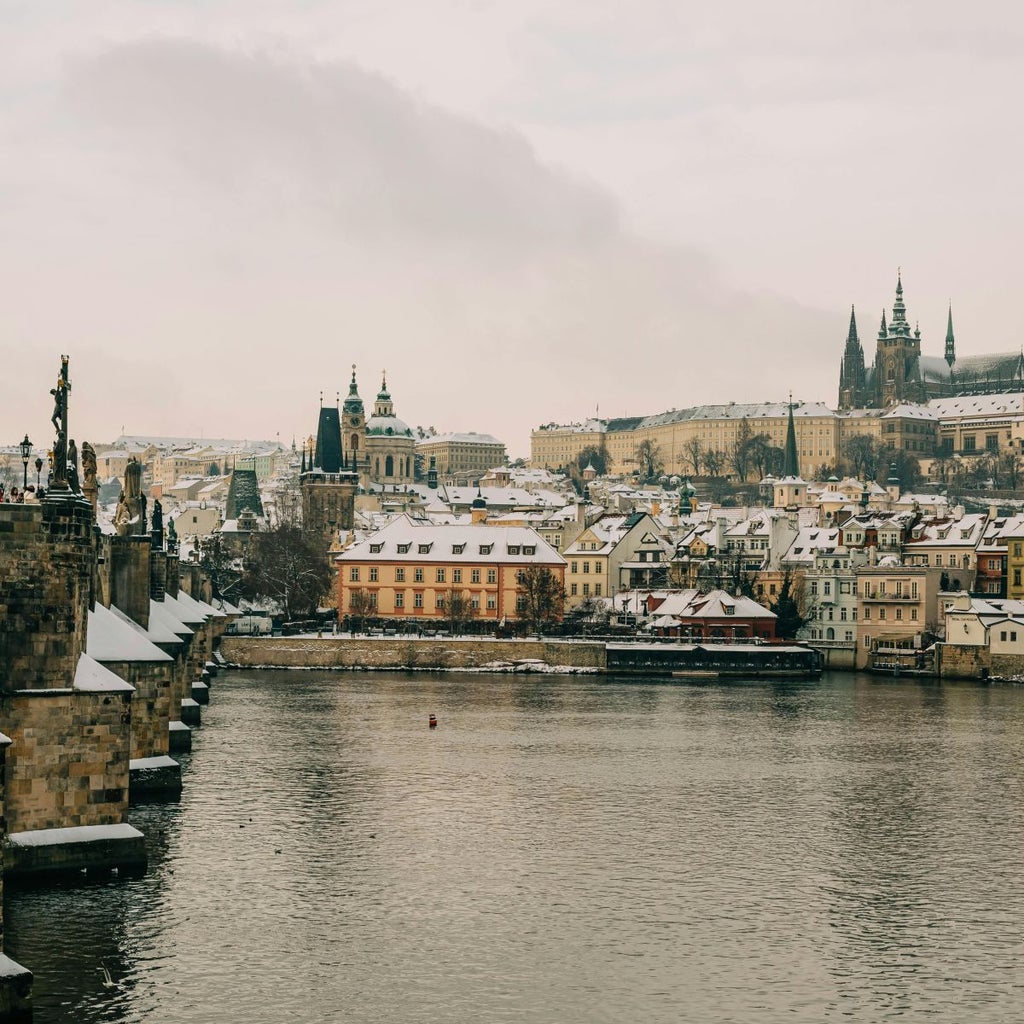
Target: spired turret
{"points": [[950, 353]]}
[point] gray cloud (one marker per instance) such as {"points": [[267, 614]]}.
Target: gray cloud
{"points": [[258, 223]]}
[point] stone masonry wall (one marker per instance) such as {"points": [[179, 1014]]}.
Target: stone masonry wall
{"points": [[68, 764], [46, 566], [956, 661], [399, 652], [151, 703]]}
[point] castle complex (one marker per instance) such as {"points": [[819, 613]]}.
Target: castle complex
{"points": [[900, 373]]}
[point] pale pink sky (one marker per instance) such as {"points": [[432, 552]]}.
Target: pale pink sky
{"points": [[524, 211]]}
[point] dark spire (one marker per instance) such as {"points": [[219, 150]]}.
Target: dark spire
{"points": [[883, 331], [303, 459], [899, 310], [851, 337], [353, 403], [791, 463], [950, 340]]}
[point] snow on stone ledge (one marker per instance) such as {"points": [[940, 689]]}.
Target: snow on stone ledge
{"points": [[111, 638], [10, 969], [78, 834], [92, 677], [144, 764]]}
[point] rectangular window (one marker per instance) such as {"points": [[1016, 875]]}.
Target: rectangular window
{"points": [[1002, 635], [572, 589], [353, 573], [440, 575], [586, 589], [474, 576], [439, 601], [456, 575], [913, 614], [827, 588], [867, 614], [586, 568], [520, 603], [400, 599], [374, 573], [417, 599], [597, 590], [400, 574], [970, 443], [373, 598], [867, 642], [417, 575], [881, 613], [492, 603], [899, 613], [492, 575]]}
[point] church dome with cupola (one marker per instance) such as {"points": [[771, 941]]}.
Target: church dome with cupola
{"points": [[389, 443]]}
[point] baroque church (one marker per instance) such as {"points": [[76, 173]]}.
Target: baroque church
{"points": [[900, 373], [353, 452]]}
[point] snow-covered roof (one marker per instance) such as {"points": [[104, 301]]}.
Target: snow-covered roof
{"points": [[978, 405], [407, 540], [469, 437]]}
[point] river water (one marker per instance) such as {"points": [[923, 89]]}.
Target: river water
{"points": [[562, 849]]}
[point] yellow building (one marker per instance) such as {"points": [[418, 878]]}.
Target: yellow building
{"points": [[409, 570], [461, 459]]}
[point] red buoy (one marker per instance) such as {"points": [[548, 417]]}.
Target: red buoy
{"points": [[433, 721]]}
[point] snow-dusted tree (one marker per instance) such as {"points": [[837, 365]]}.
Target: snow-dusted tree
{"points": [[540, 597], [284, 565]]}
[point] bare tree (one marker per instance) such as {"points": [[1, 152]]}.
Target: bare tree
{"points": [[714, 462], [284, 565], [693, 453], [361, 606], [861, 452], [540, 597], [459, 608], [648, 458]]}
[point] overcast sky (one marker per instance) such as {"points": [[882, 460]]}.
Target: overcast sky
{"points": [[525, 211]]}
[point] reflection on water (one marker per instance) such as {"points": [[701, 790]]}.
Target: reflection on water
{"points": [[562, 849]]}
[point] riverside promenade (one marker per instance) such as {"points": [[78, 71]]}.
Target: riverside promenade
{"points": [[490, 654]]}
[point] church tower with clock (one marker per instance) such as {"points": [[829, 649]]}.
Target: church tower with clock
{"points": [[353, 427]]}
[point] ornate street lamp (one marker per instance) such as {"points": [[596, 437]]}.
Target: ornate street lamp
{"points": [[26, 452], [39, 469]]}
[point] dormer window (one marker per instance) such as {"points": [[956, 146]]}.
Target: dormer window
{"points": [[531, 550], [424, 549], [457, 549], [403, 549], [729, 609], [376, 549], [513, 549], [485, 549]]}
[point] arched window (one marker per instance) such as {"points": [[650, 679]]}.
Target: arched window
{"points": [[830, 633], [355, 442], [376, 471], [389, 466]]}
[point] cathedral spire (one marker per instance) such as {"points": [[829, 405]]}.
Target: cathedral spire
{"points": [[883, 331], [950, 340], [851, 337], [899, 310]]}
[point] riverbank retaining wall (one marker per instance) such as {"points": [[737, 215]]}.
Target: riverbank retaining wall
{"points": [[405, 652]]}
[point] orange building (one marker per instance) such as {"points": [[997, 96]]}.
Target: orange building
{"points": [[410, 570]]}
